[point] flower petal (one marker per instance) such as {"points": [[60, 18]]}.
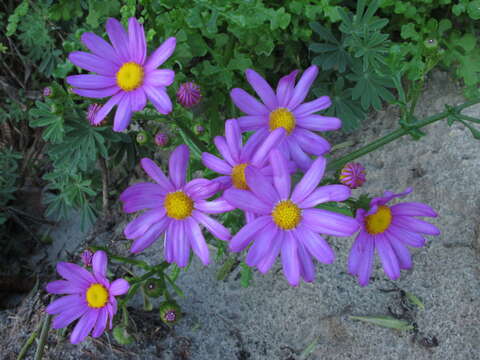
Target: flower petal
{"points": [[160, 78], [387, 256], [119, 39], [122, 115], [177, 165], [266, 263], [99, 264], [200, 189], [241, 239], [260, 186], [74, 311], [252, 144], [413, 209], [197, 241], [303, 86], [75, 273], [181, 247], [357, 255], [311, 143], [150, 236], [100, 47], [141, 224], [154, 171], [93, 63], [311, 107], [138, 99], [325, 194], [159, 99], [119, 287], [62, 304], [403, 255], [328, 222], [285, 88], [215, 164], [290, 261], [407, 237], [281, 175], [97, 93], [217, 229], [246, 201], [415, 225], [365, 268], [271, 142], [302, 160], [161, 54], [136, 41], [218, 206], [101, 323], [307, 269], [107, 107], [247, 103], [84, 326], [65, 287], [310, 181], [91, 81], [223, 149], [253, 122], [234, 138], [319, 123], [262, 88], [316, 245], [262, 244]]}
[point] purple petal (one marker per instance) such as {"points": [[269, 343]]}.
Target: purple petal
{"points": [[316, 245], [310, 181], [218, 206], [93, 63], [107, 107], [118, 38], [407, 237], [365, 267], [298, 155], [136, 41], [319, 123], [169, 243], [247, 103], [311, 143], [217, 229], [260, 185], [311, 107], [325, 194], [97, 93], [154, 171], [234, 138], [285, 88], [415, 225], [281, 175], [138, 99], [91, 81], [303, 86], [403, 255], [181, 247], [99, 264], [271, 142], [262, 88], [150, 236], [223, 149], [307, 269], [252, 145], [215, 164], [177, 165], [200, 189], [161, 54], [160, 78], [387, 256], [141, 224], [262, 244], [330, 223], [122, 115], [84, 326], [357, 254], [224, 182], [100, 47], [247, 201], [119, 287], [290, 261], [246, 233], [197, 241], [266, 263], [101, 323], [144, 188], [62, 304], [72, 313], [413, 209], [65, 287], [75, 273], [159, 99], [252, 122]]}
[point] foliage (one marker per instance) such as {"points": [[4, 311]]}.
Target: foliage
{"points": [[8, 178]]}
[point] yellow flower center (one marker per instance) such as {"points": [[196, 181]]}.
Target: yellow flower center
{"points": [[281, 117], [178, 205], [380, 221], [130, 76], [238, 177], [286, 215], [97, 296]]}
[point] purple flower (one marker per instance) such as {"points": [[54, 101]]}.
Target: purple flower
{"points": [[161, 139], [353, 175], [91, 297], [175, 208], [199, 129], [92, 111], [123, 72], [284, 108], [389, 229], [47, 91], [188, 94], [287, 222], [87, 257]]}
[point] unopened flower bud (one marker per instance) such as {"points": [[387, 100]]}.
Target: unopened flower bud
{"points": [[154, 287], [142, 137], [161, 139], [188, 94], [353, 175], [47, 91], [92, 110], [87, 256], [431, 43], [170, 312], [199, 129]]}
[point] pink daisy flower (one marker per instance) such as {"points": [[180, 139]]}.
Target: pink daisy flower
{"points": [[288, 222], [123, 72], [284, 108], [389, 229], [91, 297], [174, 208]]}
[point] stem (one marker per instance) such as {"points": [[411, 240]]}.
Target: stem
{"points": [[139, 263], [339, 163], [43, 337], [28, 343], [105, 182]]}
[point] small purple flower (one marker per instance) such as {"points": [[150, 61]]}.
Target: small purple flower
{"points": [[389, 229], [92, 111], [47, 91], [199, 129], [353, 175], [174, 208], [87, 257], [284, 108], [188, 94], [161, 139], [288, 222], [91, 297], [124, 72]]}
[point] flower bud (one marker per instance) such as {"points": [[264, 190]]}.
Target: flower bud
{"points": [[170, 312], [142, 137], [353, 175], [87, 256], [161, 139], [188, 94], [154, 287], [199, 129], [431, 43], [92, 111], [47, 91]]}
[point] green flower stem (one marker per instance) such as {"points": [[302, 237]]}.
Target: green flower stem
{"points": [[194, 138], [339, 163], [139, 263]]}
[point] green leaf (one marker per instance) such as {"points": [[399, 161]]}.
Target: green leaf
{"points": [[228, 266], [467, 42], [415, 300], [385, 321], [42, 116], [473, 9], [246, 275]]}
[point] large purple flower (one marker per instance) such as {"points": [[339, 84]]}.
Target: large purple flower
{"points": [[389, 229], [288, 223], [123, 72], [284, 108], [175, 208], [91, 297]]}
